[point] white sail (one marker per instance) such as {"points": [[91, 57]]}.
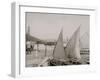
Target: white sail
{"points": [[59, 52], [73, 47]]}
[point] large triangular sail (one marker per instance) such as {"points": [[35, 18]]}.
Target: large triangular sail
{"points": [[59, 52], [72, 48]]}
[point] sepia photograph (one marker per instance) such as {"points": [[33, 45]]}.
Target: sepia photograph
{"points": [[55, 39]]}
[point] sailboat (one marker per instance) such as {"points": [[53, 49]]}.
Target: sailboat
{"points": [[59, 56], [59, 52], [72, 48]]}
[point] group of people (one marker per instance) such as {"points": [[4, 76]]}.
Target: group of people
{"points": [[29, 47]]}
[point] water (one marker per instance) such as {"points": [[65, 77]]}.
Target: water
{"points": [[35, 58]]}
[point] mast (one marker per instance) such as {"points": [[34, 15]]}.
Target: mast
{"points": [[28, 33], [28, 30]]}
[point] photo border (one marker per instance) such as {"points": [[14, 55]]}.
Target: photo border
{"points": [[18, 67]]}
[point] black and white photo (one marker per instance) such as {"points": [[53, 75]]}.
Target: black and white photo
{"points": [[54, 39]]}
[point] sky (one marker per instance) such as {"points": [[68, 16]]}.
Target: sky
{"points": [[48, 26]]}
